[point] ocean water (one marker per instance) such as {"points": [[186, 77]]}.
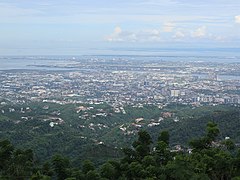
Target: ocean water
{"points": [[219, 77], [40, 63], [9, 63]]}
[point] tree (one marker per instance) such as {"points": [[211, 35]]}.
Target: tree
{"points": [[6, 151], [162, 153], [108, 171], [130, 155], [229, 144], [149, 161], [92, 175], [87, 166], [38, 176], [206, 141], [164, 136], [142, 145], [212, 131], [179, 169], [136, 171], [47, 169], [60, 166], [21, 165], [77, 174]]}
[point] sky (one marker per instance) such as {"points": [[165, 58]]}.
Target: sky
{"points": [[80, 27]]}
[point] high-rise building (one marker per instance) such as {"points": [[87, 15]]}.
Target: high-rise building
{"points": [[175, 93]]}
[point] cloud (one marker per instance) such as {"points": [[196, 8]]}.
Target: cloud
{"points": [[116, 35], [179, 35], [159, 35], [200, 32], [168, 27], [117, 30], [119, 35], [237, 19]]}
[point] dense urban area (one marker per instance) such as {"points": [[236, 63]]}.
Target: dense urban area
{"points": [[125, 81]]}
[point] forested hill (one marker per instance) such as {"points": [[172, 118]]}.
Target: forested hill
{"points": [[208, 158], [98, 132], [189, 128]]}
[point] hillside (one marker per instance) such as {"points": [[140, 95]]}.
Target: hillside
{"points": [[208, 158], [98, 132]]}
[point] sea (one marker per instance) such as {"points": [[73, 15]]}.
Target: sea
{"points": [[46, 62]]}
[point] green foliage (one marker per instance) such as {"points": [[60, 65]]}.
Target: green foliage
{"points": [[60, 166], [207, 140], [142, 145], [75, 138], [87, 166], [16, 164], [147, 158], [38, 176], [6, 151], [212, 131], [92, 175], [164, 136], [108, 171], [229, 144]]}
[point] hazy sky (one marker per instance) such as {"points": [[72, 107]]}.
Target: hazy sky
{"points": [[44, 27]]}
